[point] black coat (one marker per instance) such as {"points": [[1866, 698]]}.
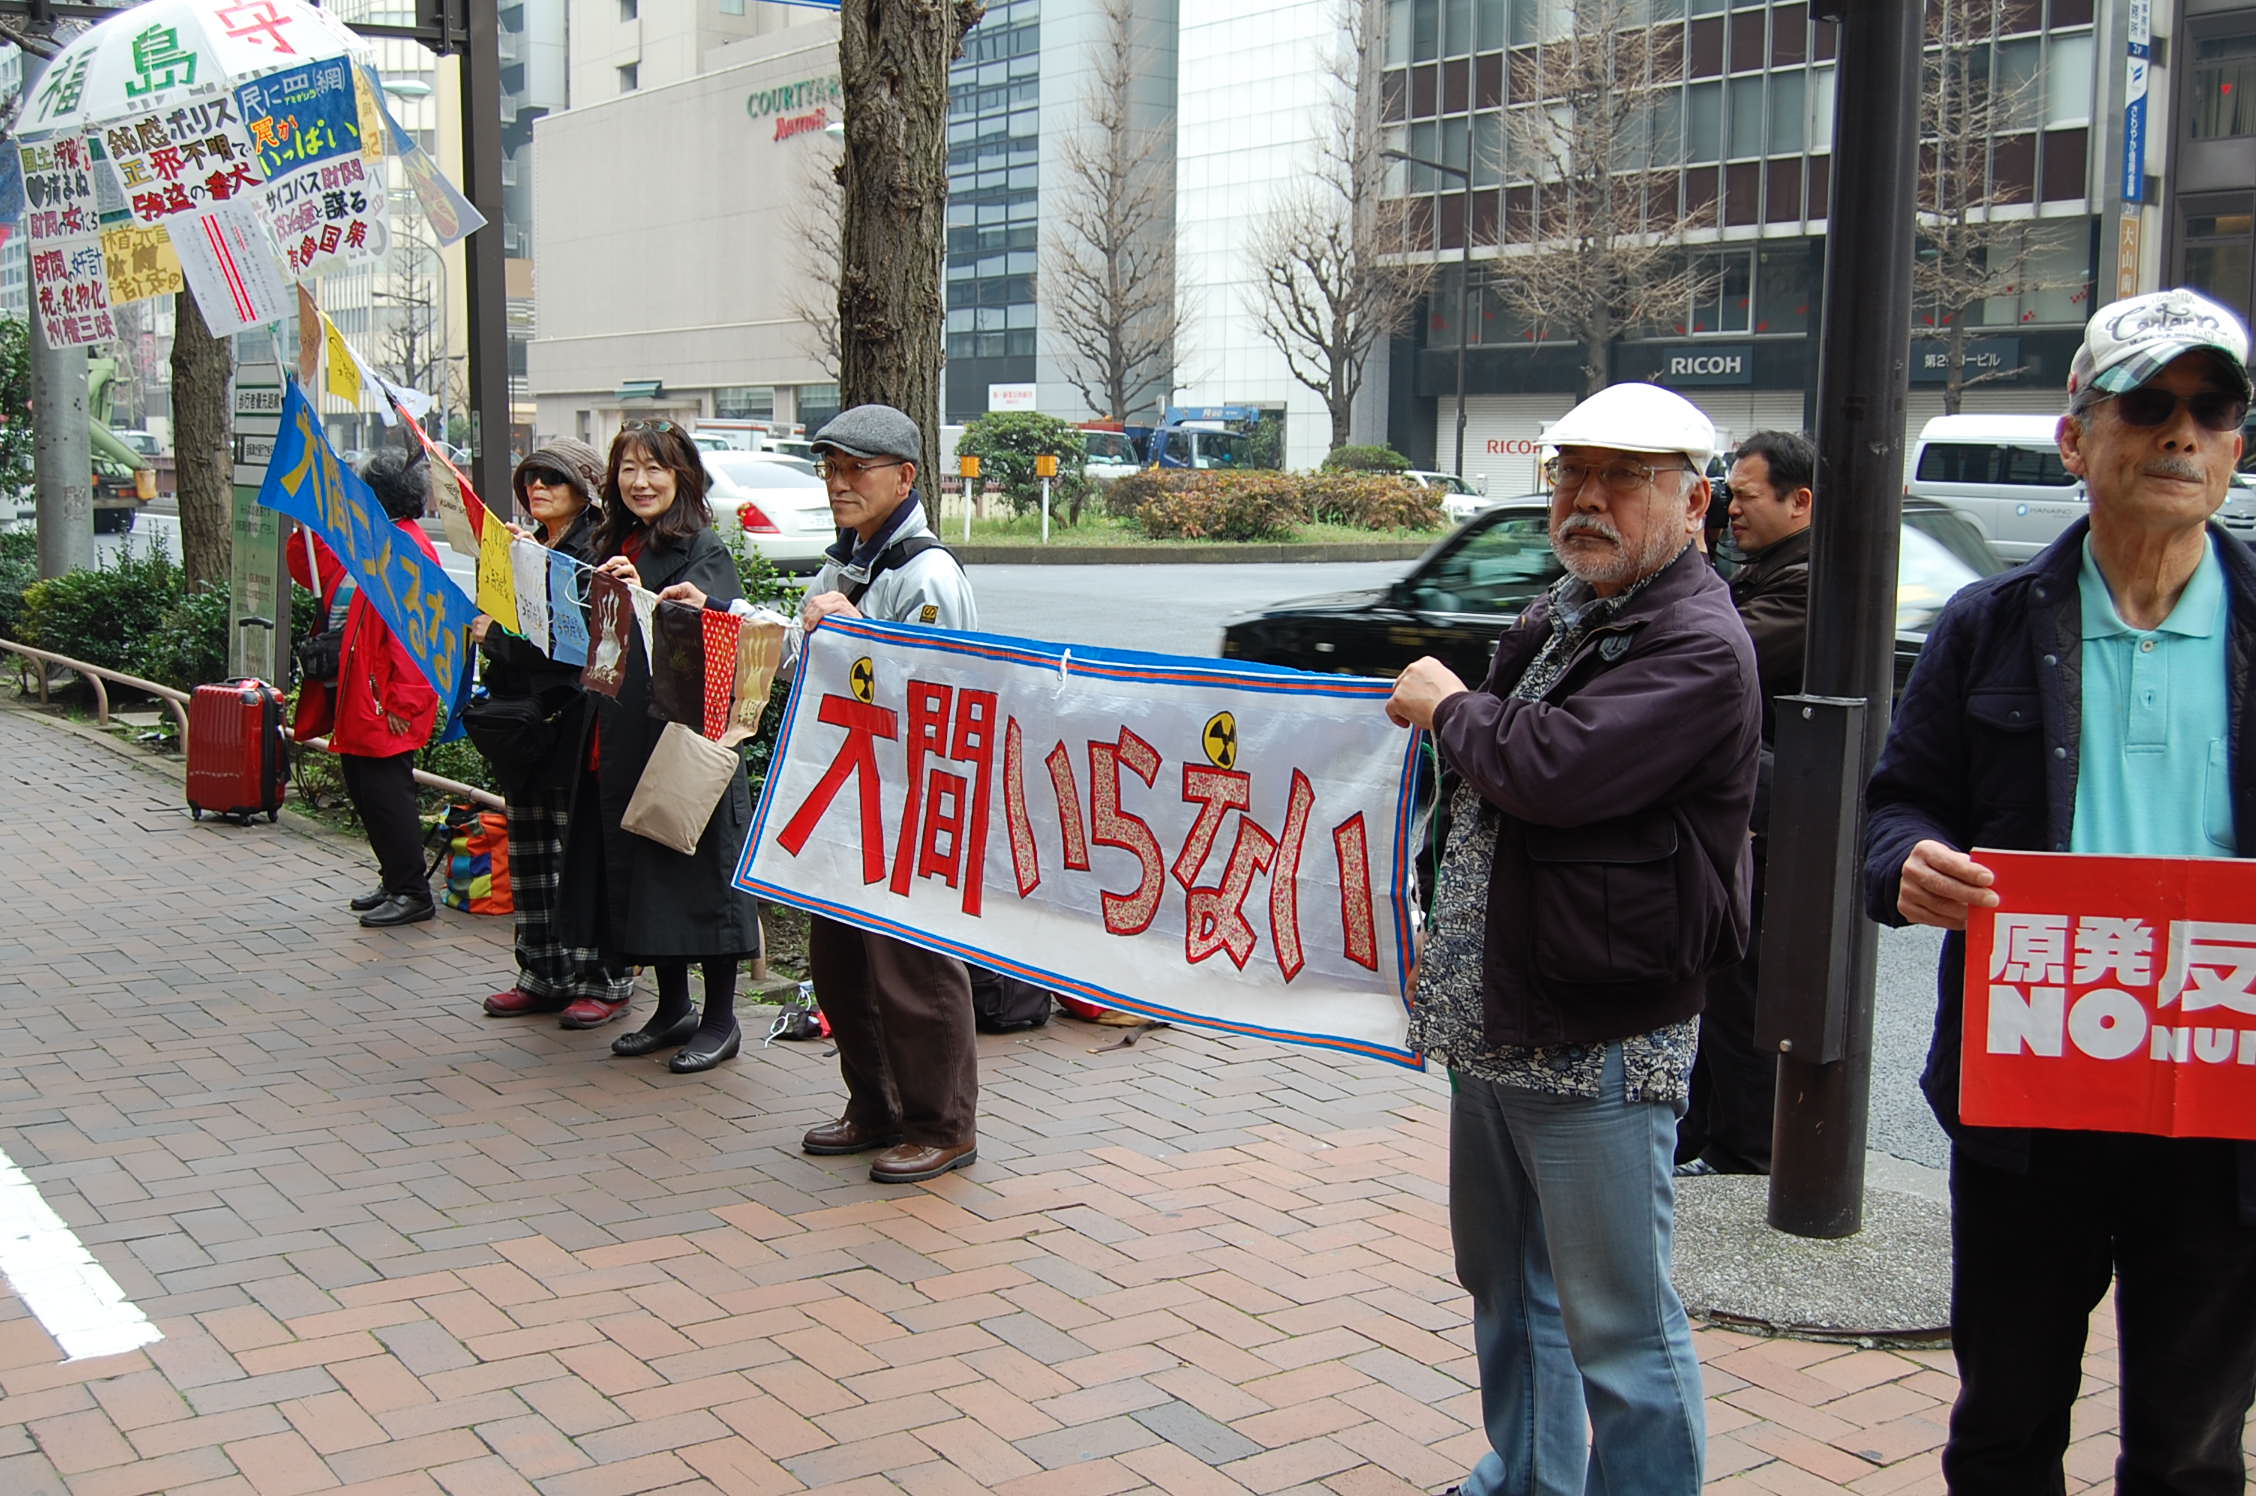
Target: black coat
{"points": [[1983, 753], [1625, 788], [515, 670], [662, 905]]}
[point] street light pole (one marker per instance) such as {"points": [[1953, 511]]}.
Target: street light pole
{"points": [[1464, 271]]}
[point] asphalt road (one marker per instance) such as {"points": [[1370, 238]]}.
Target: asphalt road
{"points": [[1180, 609]]}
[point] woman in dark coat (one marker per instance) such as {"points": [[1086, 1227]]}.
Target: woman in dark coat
{"points": [[663, 908], [555, 822]]}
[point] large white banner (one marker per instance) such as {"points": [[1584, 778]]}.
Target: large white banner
{"points": [[1198, 841]]}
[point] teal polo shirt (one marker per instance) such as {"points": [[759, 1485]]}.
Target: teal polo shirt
{"points": [[2153, 776]]}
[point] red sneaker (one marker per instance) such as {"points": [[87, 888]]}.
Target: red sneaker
{"points": [[517, 1002], [589, 1012]]}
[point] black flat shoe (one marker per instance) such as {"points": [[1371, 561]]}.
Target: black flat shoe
{"points": [[690, 1061], [399, 909], [644, 1040], [368, 901]]}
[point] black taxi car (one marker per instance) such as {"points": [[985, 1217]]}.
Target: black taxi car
{"points": [[1461, 596]]}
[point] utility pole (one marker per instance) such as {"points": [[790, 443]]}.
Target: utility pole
{"points": [[1815, 1007], [62, 459]]}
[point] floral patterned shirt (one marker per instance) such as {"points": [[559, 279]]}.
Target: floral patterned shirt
{"points": [[1447, 1022]]}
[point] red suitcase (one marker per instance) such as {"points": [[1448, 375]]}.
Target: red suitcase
{"points": [[238, 762]]}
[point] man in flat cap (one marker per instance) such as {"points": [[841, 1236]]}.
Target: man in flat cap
{"points": [[901, 1014], [2100, 699]]}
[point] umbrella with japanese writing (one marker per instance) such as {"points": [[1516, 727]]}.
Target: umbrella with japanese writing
{"points": [[163, 54]]}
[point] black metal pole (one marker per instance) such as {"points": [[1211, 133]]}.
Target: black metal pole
{"points": [[1464, 293], [1818, 1150], [488, 310]]}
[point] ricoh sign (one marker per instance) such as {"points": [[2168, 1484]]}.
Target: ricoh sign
{"points": [[1734, 364]]}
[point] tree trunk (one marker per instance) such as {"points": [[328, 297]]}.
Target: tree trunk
{"points": [[893, 58], [201, 364]]}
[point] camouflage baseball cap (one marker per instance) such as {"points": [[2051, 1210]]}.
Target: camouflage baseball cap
{"points": [[2129, 342]]}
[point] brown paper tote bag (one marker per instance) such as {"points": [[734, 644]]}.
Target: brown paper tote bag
{"points": [[685, 778]]}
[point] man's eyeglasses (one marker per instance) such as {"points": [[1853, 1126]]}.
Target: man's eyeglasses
{"points": [[2149, 406], [663, 426], [832, 467], [1622, 477]]}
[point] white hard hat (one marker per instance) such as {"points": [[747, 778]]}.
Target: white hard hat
{"points": [[1637, 418]]}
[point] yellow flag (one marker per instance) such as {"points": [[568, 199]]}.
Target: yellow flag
{"points": [[344, 369], [375, 139], [497, 580]]}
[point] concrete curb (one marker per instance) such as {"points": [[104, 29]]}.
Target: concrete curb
{"points": [[1220, 553]]}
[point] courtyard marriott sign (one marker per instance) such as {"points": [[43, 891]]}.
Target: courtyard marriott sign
{"points": [[797, 108]]}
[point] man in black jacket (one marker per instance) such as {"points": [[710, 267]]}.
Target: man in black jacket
{"points": [[1595, 873], [2100, 699], [1726, 1130]]}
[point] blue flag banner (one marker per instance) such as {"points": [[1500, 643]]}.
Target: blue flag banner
{"points": [[412, 593], [567, 625]]}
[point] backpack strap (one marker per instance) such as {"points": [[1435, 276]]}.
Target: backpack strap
{"points": [[892, 557]]}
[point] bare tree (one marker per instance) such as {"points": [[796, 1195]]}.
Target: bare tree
{"points": [[1968, 254], [204, 471], [413, 346], [1108, 272], [811, 224], [1598, 250], [893, 58], [1333, 265]]}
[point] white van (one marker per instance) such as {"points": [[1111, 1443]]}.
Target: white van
{"points": [[2004, 473]]}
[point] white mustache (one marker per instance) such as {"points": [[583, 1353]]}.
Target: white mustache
{"points": [[2174, 467], [1576, 524]]}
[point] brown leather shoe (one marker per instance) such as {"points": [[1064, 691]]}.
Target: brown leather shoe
{"points": [[844, 1136], [907, 1163]]}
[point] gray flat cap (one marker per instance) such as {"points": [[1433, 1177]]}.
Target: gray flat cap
{"points": [[872, 431]]}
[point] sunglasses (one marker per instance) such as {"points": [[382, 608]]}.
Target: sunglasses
{"points": [[827, 467], [2147, 406], [661, 426]]}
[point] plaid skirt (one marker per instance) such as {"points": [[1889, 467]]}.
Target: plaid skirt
{"points": [[556, 877]]}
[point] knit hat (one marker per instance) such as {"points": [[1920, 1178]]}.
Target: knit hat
{"points": [[576, 460]]}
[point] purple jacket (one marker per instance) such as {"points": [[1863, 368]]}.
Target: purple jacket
{"points": [[1622, 861]]}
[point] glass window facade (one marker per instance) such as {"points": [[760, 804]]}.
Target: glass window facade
{"points": [[993, 151]]}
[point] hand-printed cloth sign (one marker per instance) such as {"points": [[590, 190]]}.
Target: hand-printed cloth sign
{"points": [[325, 207], [69, 290], [611, 627], [411, 592], [171, 164], [142, 263], [2112, 994], [1191, 840]]}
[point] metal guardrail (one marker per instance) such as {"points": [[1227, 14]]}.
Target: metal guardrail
{"points": [[176, 702]]}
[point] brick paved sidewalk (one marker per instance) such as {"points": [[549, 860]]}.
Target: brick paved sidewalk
{"points": [[395, 1246]]}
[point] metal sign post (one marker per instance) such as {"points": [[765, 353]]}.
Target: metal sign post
{"points": [[258, 606]]}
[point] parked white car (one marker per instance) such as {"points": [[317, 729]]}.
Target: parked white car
{"points": [[775, 503], [1459, 499]]}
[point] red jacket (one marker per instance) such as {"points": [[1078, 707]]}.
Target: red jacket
{"points": [[376, 676]]}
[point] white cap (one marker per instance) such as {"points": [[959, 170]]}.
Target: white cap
{"points": [[2129, 342], [1637, 418]]}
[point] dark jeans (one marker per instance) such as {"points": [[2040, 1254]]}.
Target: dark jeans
{"points": [[383, 796], [902, 1019], [1734, 1083], [2032, 1254]]}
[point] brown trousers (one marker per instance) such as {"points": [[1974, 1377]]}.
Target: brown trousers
{"points": [[902, 1018]]}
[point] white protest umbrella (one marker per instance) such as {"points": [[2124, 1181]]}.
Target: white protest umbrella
{"points": [[165, 53]]}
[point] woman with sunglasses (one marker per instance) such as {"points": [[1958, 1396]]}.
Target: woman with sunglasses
{"points": [[662, 908], [555, 825]]}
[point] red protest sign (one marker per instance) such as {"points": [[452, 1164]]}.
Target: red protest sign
{"points": [[2115, 994]]}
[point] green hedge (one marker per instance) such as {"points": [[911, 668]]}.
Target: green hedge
{"points": [[1372, 459], [1173, 503]]}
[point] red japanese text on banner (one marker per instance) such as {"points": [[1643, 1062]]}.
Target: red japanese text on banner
{"points": [[2113, 994], [1192, 840]]}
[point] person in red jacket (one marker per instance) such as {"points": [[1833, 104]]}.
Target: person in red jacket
{"points": [[380, 709]]}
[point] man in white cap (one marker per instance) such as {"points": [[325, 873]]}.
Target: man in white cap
{"points": [[1595, 872], [2100, 699]]}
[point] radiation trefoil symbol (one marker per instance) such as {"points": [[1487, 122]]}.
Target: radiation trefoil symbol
{"points": [[1221, 740], [862, 680]]}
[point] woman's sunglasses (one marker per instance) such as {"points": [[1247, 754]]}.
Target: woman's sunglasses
{"points": [[2217, 410]]}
